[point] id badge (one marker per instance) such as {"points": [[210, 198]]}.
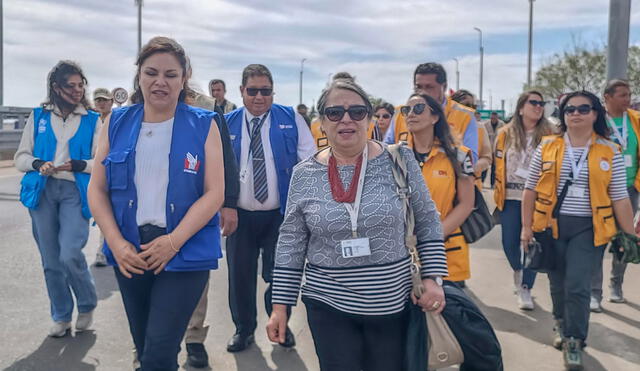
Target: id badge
{"points": [[577, 192], [628, 162], [356, 247], [522, 173]]}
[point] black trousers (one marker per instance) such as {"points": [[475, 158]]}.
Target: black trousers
{"points": [[346, 342], [158, 309], [257, 232]]}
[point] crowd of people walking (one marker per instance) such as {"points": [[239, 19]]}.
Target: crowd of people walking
{"points": [[313, 203]]}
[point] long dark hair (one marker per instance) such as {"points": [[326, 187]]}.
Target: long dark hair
{"points": [[442, 131], [161, 44], [600, 125], [59, 76]]}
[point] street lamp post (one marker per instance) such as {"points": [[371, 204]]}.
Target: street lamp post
{"points": [[139, 5], [301, 71], [530, 42], [618, 48], [457, 74], [481, 103]]}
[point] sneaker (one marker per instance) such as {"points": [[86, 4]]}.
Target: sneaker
{"points": [[197, 356], [557, 335], [59, 329], [83, 321], [525, 302], [517, 281], [595, 306], [616, 295], [101, 260], [572, 352]]}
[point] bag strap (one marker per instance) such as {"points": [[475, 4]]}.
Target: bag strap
{"points": [[563, 194], [401, 176]]}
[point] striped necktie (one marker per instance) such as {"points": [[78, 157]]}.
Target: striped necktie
{"points": [[260, 190]]}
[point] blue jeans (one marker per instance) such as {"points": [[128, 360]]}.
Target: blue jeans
{"points": [[61, 232], [511, 227]]}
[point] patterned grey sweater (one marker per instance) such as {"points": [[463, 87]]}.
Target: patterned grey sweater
{"points": [[314, 224]]}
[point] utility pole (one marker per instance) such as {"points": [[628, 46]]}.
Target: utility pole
{"points": [[139, 4], [1, 59], [457, 74], [481, 103], [618, 48], [301, 72], [530, 42]]}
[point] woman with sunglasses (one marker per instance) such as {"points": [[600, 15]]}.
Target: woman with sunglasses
{"points": [[344, 228], [587, 169], [382, 116], [448, 172], [515, 144]]}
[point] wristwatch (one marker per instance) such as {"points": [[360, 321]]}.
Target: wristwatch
{"points": [[437, 279]]}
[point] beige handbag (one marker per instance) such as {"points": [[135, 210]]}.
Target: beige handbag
{"points": [[443, 347]]}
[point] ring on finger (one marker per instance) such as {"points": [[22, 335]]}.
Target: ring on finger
{"points": [[436, 305]]}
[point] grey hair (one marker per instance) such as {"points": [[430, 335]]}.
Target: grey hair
{"points": [[344, 84]]}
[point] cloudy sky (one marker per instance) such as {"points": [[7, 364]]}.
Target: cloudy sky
{"points": [[379, 41]]}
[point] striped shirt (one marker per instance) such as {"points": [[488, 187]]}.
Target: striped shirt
{"points": [[573, 205], [315, 224]]}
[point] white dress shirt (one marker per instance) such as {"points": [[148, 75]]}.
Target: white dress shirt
{"points": [[63, 131], [306, 148]]}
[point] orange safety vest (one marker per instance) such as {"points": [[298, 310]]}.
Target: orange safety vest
{"points": [[500, 162], [440, 178], [600, 162], [458, 117], [320, 138]]}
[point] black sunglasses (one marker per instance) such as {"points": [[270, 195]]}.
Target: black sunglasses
{"points": [[336, 113], [384, 116], [265, 92], [417, 109], [534, 102], [582, 109]]}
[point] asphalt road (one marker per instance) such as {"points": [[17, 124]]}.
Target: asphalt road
{"points": [[614, 336]]}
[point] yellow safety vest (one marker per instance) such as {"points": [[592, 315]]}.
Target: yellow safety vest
{"points": [[600, 162], [440, 178]]}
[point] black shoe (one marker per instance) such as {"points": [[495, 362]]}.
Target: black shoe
{"points": [[289, 339], [197, 355], [239, 342]]}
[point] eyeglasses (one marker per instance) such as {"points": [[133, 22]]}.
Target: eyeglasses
{"points": [[265, 92], [534, 102], [417, 109], [582, 109], [384, 116], [336, 113]]}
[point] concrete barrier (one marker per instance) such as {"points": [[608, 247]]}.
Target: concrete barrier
{"points": [[12, 121]]}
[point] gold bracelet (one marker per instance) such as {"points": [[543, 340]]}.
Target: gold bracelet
{"points": [[171, 242]]}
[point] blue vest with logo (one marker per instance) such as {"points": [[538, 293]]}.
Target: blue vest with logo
{"points": [[186, 182], [283, 136], [44, 148]]}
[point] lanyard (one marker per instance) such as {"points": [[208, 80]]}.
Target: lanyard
{"points": [[576, 168], [354, 208], [622, 140]]}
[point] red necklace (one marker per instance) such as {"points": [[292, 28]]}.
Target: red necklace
{"points": [[337, 188]]}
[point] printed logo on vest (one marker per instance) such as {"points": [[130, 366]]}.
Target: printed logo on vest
{"points": [[604, 165], [232, 137], [42, 126], [283, 126], [440, 173], [191, 164]]}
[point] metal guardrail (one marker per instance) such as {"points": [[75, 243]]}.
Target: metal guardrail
{"points": [[12, 121]]}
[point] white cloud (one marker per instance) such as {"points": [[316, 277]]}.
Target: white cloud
{"points": [[380, 42]]}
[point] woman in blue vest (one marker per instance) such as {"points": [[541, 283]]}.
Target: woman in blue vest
{"points": [[56, 154], [155, 193]]}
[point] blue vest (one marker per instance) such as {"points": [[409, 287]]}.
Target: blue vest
{"points": [[283, 135], [44, 148], [186, 182]]}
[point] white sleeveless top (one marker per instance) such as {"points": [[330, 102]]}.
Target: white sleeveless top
{"points": [[152, 172]]}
